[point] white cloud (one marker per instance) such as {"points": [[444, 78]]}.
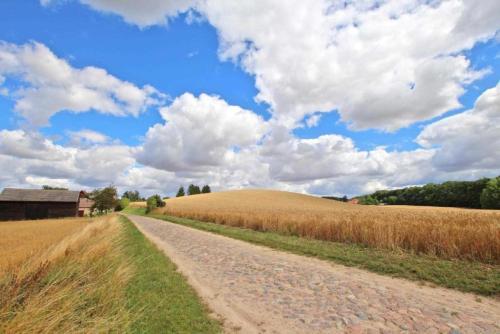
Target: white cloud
{"points": [[199, 133], [87, 137], [469, 140], [142, 13], [382, 65], [51, 85], [21, 144]]}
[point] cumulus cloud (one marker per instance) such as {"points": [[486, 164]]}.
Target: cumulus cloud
{"points": [[199, 132], [21, 144], [469, 140], [381, 65], [50, 84]]}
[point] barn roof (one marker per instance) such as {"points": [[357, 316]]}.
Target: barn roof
{"points": [[38, 195]]}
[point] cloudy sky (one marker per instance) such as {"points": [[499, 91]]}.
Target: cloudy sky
{"points": [[318, 96]]}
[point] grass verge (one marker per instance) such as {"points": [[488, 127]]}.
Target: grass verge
{"points": [[161, 295], [455, 274]]}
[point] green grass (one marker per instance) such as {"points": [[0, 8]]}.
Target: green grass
{"points": [[460, 275], [159, 294]]}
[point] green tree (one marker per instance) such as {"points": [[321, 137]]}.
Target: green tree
{"points": [[180, 192], [159, 202], [104, 199], [193, 190], [368, 200], [392, 200], [206, 189], [133, 196], [490, 197], [151, 204]]}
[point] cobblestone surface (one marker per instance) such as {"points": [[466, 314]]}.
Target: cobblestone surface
{"points": [[256, 289]]}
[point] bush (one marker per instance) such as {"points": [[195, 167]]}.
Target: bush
{"points": [[490, 197], [122, 204]]}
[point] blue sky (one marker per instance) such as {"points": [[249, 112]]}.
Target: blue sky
{"points": [[364, 115]]}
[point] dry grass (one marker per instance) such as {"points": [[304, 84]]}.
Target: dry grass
{"points": [[137, 204], [75, 286], [444, 232], [22, 239]]}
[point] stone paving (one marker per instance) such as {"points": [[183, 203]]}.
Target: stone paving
{"points": [[256, 289]]}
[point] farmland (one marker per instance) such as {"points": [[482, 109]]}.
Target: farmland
{"points": [[442, 232], [22, 239], [91, 275]]}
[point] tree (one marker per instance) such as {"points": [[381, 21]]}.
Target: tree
{"points": [[345, 199], [151, 204], [193, 190], [180, 192], [206, 189], [46, 187], [490, 197], [104, 199], [159, 202], [133, 196], [368, 200]]}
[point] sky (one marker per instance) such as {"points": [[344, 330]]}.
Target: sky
{"points": [[323, 97]]}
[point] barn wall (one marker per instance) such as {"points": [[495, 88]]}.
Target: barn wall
{"points": [[36, 210]]}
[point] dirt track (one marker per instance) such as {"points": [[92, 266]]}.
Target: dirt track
{"points": [[256, 290]]}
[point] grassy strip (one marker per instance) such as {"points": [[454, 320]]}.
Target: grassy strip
{"points": [[460, 275], [161, 295]]}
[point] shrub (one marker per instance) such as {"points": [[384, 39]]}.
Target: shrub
{"points": [[122, 204]]}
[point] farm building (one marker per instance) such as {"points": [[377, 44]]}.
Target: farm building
{"points": [[20, 204], [85, 207]]}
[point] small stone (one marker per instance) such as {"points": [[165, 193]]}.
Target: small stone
{"points": [[361, 316]]}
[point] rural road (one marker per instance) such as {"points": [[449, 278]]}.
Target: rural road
{"points": [[259, 290]]}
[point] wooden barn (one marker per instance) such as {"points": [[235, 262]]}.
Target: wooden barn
{"points": [[21, 204]]}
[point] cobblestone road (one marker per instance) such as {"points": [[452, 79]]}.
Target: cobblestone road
{"points": [[259, 290]]}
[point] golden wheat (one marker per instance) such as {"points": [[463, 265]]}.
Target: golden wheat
{"points": [[444, 232], [75, 286], [137, 204], [22, 239]]}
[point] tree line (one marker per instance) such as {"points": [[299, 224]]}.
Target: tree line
{"points": [[107, 199], [193, 190], [483, 193]]}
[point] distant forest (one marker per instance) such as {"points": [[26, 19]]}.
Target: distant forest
{"points": [[483, 193]]}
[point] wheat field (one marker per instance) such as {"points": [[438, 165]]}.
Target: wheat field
{"points": [[23, 239], [444, 232], [75, 284]]}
